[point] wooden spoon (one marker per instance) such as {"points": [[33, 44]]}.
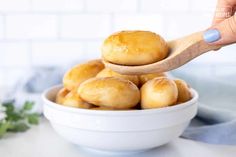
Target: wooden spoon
{"points": [[182, 50]]}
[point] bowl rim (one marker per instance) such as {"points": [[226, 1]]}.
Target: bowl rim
{"points": [[56, 106]]}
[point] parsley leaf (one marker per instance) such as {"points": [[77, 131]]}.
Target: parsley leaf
{"points": [[18, 127], [28, 105], [3, 128], [18, 120], [33, 118]]}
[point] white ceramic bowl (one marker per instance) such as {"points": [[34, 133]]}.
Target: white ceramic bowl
{"points": [[133, 130]]}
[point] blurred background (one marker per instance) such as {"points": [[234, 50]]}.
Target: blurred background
{"points": [[36, 34]]}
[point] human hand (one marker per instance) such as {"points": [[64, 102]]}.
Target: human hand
{"points": [[223, 29]]}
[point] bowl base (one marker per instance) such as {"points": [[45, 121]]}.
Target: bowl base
{"points": [[110, 152]]}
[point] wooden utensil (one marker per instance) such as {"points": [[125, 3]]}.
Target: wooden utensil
{"points": [[182, 50]]}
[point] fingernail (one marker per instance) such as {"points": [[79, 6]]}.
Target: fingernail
{"points": [[211, 35]]}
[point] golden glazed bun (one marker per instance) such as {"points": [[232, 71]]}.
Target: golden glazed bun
{"points": [[184, 93], [102, 108], [75, 76], [61, 95], [110, 92], [109, 108], [109, 73], [134, 48], [158, 92], [72, 99], [144, 78]]}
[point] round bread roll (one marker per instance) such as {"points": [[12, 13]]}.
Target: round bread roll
{"points": [[79, 73], [184, 93], [109, 73], [109, 108], [158, 92], [61, 95], [144, 78], [102, 108], [110, 92], [72, 99], [134, 48]]}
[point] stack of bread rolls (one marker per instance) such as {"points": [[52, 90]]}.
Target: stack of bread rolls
{"points": [[92, 86]]}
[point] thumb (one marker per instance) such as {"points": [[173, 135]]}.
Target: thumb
{"points": [[222, 33]]}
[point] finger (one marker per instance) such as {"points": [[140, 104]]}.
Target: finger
{"points": [[224, 10], [222, 33]]}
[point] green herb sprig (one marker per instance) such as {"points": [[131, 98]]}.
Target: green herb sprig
{"points": [[18, 120]]}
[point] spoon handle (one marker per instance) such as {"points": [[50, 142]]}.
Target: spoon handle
{"points": [[194, 43]]}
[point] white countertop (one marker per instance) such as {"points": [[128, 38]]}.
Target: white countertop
{"points": [[42, 141]]}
